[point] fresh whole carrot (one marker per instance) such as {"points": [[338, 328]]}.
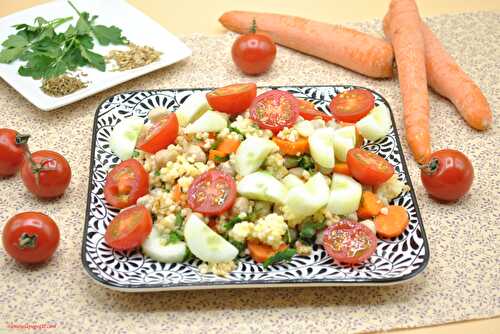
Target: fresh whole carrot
{"points": [[393, 223], [370, 205], [228, 146], [408, 43], [349, 48], [261, 252], [287, 147], [341, 168]]}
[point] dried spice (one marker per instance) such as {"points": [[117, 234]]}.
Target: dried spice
{"points": [[135, 56], [62, 85]]}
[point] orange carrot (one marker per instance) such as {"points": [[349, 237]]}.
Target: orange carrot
{"points": [[349, 48], [176, 193], [228, 146], [292, 147], [408, 43], [370, 205], [393, 223], [261, 252], [341, 168], [214, 154]]}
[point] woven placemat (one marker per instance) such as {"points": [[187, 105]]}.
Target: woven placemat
{"points": [[461, 282]]}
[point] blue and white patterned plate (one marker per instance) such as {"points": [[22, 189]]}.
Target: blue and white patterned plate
{"points": [[396, 260]]}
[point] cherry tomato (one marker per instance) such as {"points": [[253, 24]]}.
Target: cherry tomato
{"points": [[309, 112], [352, 105], [30, 237], [233, 99], [11, 153], [253, 53], [275, 110], [349, 242], [129, 228], [46, 174], [448, 176], [126, 183], [367, 167], [212, 193], [160, 135]]}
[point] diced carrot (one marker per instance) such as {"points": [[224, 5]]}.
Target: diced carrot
{"points": [[393, 223], [370, 205], [228, 146], [292, 147], [213, 154], [212, 135], [341, 168], [261, 252], [176, 193]]}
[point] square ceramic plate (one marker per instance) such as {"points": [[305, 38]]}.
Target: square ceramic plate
{"points": [[396, 260], [136, 26]]}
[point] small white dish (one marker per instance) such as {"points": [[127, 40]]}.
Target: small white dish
{"points": [[136, 26]]}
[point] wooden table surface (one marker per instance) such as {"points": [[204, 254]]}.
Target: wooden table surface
{"points": [[175, 16]]}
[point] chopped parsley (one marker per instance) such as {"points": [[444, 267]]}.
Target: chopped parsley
{"points": [[308, 230], [306, 162], [231, 222], [284, 255], [236, 130]]}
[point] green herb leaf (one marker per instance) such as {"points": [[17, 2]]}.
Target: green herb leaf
{"points": [[306, 162], [308, 230], [14, 46], [221, 159], [236, 130], [94, 59], [135, 154], [174, 237], [231, 222], [109, 35], [284, 255], [179, 219]]}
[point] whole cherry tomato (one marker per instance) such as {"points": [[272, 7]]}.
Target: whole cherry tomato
{"points": [[448, 176], [30, 237], [46, 174], [12, 151]]}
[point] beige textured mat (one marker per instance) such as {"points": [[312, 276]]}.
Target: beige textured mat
{"points": [[461, 282]]}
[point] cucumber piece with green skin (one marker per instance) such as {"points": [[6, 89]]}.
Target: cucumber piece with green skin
{"points": [[206, 244], [290, 181], [192, 108], [376, 124], [124, 137], [210, 121], [154, 248], [345, 195], [251, 154], [321, 146], [262, 186], [304, 200], [345, 139]]}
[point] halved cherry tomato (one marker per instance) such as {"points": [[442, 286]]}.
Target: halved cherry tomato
{"points": [[126, 183], [352, 105], [367, 167], [129, 228], [212, 193], [349, 242], [11, 152], [309, 112], [275, 110], [160, 135], [233, 99]]}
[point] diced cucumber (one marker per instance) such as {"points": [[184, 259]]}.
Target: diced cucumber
{"points": [[154, 248], [251, 154], [345, 139], [291, 181], [376, 124], [321, 146], [304, 200], [206, 244], [210, 121], [262, 186], [345, 195], [192, 108], [124, 137]]}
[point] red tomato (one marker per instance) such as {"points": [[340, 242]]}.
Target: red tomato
{"points": [[233, 99], [309, 112], [352, 105], [367, 167], [275, 110], [212, 193], [126, 183], [11, 153], [160, 135], [448, 176], [349, 242], [46, 174], [30, 237], [129, 228], [253, 53]]}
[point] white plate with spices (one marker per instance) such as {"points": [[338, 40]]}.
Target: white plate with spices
{"points": [[136, 27]]}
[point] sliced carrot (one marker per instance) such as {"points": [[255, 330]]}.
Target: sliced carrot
{"points": [[292, 147], [177, 193], [213, 154], [228, 146], [341, 168], [370, 205], [393, 223], [261, 252]]}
